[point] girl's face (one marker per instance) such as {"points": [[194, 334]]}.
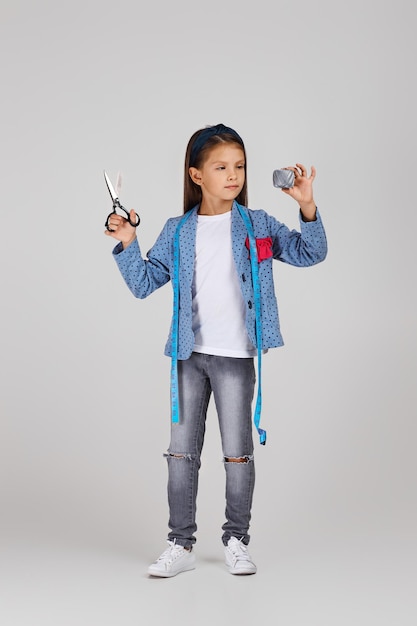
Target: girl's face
{"points": [[222, 174]]}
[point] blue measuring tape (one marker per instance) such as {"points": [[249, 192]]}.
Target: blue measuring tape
{"points": [[175, 412], [258, 318]]}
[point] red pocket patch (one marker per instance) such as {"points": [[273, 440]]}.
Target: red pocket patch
{"points": [[263, 248]]}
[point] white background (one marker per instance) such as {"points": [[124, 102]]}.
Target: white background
{"points": [[84, 383]]}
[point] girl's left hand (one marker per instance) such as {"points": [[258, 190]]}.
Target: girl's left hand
{"points": [[302, 191]]}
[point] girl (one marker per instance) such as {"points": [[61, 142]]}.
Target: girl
{"points": [[218, 256]]}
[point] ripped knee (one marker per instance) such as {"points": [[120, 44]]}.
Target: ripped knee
{"points": [[178, 455], [246, 458]]}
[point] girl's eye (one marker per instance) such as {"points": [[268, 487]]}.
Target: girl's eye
{"points": [[221, 167]]}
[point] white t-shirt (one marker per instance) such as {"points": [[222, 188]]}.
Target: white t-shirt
{"points": [[218, 306]]}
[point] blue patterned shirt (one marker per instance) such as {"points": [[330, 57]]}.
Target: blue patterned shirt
{"points": [[300, 248]]}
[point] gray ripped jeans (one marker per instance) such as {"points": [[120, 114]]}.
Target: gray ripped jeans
{"points": [[232, 381]]}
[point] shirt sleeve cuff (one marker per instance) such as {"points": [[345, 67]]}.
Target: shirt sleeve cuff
{"points": [[133, 247]]}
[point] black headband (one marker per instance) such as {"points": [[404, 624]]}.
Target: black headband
{"points": [[204, 136]]}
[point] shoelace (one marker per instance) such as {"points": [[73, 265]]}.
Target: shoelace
{"points": [[171, 553], [239, 550]]}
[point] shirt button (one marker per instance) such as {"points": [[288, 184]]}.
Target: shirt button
{"points": [[249, 304]]}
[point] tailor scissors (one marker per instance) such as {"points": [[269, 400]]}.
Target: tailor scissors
{"points": [[117, 205]]}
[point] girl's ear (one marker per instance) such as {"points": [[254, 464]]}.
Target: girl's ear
{"points": [[195, 175]]}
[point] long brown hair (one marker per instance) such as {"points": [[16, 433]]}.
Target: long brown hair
{"points": [[192, 192]]}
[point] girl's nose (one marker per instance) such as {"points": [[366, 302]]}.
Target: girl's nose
{"points": [[232, 174]]}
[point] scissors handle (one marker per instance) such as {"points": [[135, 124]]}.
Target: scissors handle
{"points": [[117, 205]]}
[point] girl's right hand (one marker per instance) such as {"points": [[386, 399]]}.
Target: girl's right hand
{"points": [[121, 229]]}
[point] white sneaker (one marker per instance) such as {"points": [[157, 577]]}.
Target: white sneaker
{"points": [[238, 559], [174, 560]]}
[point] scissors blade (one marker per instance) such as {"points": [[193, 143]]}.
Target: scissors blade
{"points": [[110, 187], [119, 181]]}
